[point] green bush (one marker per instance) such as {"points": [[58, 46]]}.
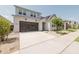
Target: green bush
{"points": [[4, 28], [77, 39]]}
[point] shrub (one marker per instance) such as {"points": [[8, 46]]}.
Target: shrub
{"points": [[4, 28]]}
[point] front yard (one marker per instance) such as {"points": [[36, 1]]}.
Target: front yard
{"points": [[61, 32]]}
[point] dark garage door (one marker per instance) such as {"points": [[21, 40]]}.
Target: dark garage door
{"points": [[28, 26]]}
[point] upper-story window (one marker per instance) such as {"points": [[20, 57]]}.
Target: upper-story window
{"points": [[20, 11], [34, 15], [24, 12], [31, 15]]}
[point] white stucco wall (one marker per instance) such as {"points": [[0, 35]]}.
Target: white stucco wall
{"points": [[48, 26], [17, 19], [64, 25], [40, 26], [16, 24]]}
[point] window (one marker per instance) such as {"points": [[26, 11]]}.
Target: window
{"points": [[32, 15], [20, 11], [53, 25], [74, 22], [24, 13]]}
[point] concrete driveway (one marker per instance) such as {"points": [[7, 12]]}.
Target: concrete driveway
{"points": [[28, 39], [39, 42]]}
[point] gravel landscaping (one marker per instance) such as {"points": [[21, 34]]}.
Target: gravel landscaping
{"points": [[11, 44]]}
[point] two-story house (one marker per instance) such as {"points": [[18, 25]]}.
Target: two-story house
{"points": [[29, 20]]}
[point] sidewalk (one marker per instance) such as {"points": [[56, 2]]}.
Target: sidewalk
{"points": [[57, 45], [72, 49]]}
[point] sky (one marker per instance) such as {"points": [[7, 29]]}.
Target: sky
{"points": [[66, 12]]}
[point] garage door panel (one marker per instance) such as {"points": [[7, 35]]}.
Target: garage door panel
{"points": [[28, 26]]}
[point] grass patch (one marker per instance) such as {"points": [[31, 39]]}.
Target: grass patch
{"points": [[62, 32], [71, 30], [77, 39]]}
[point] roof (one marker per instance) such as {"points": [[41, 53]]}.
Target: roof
{"points": [[48, 17], [27, 9]]}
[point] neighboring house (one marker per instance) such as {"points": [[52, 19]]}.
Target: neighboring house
{"points": [[74, 24], [66, 24], [70, 24], [29, 20]]}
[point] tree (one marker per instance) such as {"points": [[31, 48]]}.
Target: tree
{"points": [[58, 22], [4, 28]]}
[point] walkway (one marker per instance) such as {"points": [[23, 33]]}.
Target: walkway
{"points": [[72, 49]]}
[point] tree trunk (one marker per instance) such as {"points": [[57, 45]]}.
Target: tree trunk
{"points": [[57, 27], [7, 38]]}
